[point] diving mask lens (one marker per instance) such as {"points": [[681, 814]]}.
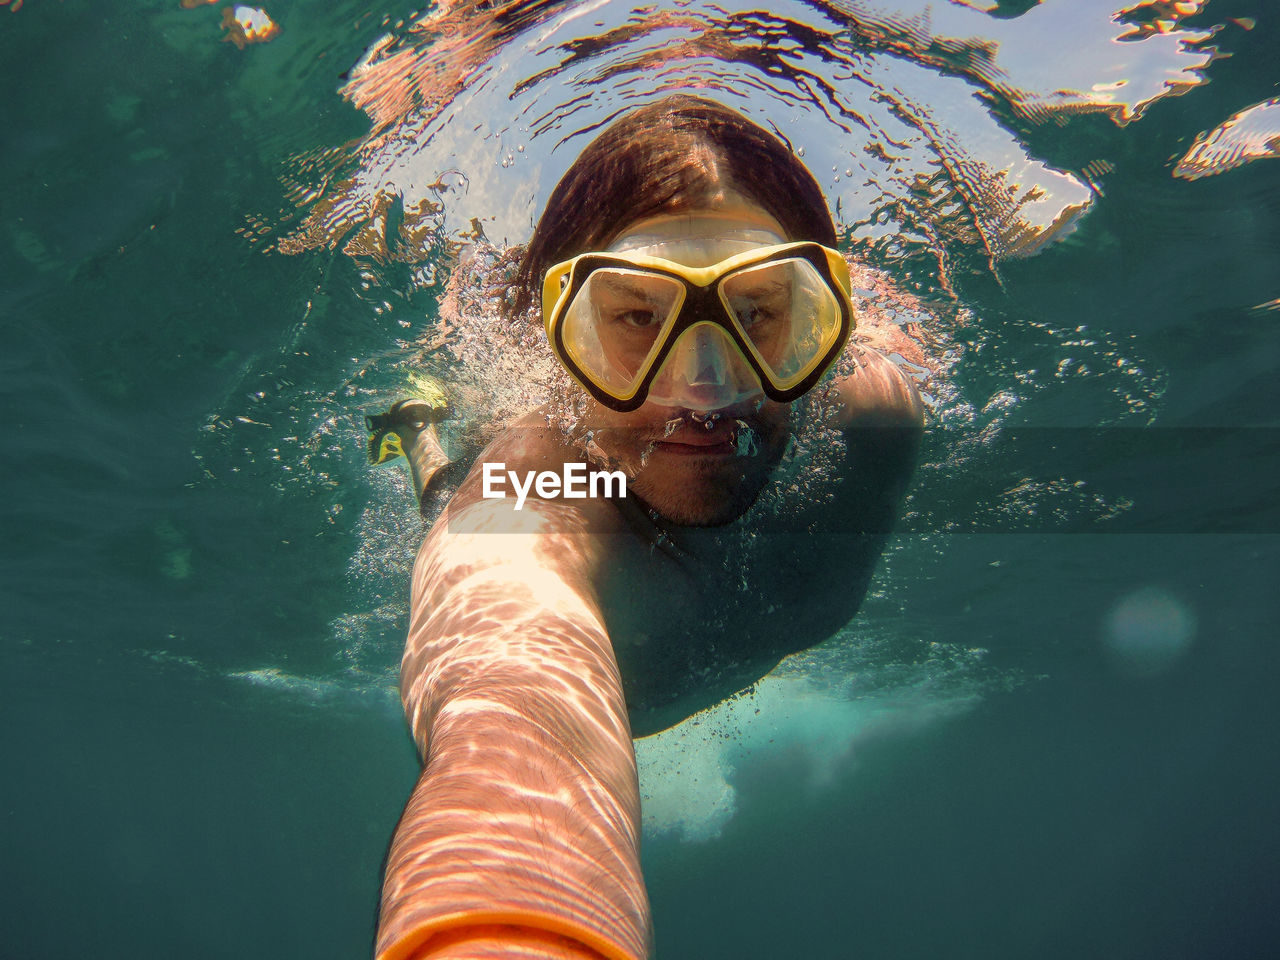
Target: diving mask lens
{"points": [[786, 313], [616, 324]]}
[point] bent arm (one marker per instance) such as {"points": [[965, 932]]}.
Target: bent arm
{"points": [[882, 419], [522, 836], [878, 394]]}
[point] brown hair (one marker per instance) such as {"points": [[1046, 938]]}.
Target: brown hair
{"points": [[655, 160]]}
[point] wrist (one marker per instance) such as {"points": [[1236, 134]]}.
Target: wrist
{"points": [[503, 942]]}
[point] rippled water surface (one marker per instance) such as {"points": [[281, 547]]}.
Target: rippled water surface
{"points": [[1051, 731]]}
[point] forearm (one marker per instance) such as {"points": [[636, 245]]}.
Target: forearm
{"points": [[527, 815], [508, 827]]}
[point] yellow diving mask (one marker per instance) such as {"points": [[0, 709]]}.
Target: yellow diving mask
{"points": [[699, 322]]}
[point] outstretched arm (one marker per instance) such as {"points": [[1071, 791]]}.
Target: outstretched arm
{"points": [[522, 836]]}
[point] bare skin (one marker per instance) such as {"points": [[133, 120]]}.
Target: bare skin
{"points": [[542, 640]]}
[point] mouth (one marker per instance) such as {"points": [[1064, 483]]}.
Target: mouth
{"points": [[724, 448], [714, 437]]}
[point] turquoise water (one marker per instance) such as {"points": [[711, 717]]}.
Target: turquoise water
{"points": [[1052, 729]]}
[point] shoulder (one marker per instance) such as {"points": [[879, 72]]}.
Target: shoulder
{"points": [[509, 511], [877, 394], [533, 462]]}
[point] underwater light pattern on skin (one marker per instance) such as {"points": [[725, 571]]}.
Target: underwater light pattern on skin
{"points": [[513, 694]]}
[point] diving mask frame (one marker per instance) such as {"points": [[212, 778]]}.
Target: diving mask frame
{"points": [[701, 301]]}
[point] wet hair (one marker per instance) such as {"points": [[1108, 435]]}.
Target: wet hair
{"points": [[662, 158]]}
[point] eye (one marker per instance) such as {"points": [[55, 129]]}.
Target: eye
{"points": [[636, 319], [752, 314]]}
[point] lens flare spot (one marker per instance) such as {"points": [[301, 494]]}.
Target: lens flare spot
{"points": [[1148, 631]]}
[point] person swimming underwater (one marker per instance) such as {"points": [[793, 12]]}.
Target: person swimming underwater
{"points": [[688, 283]]}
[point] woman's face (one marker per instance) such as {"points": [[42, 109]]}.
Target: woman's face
{"points": [[696, 467]]}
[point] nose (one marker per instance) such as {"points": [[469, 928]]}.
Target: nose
{"points": [[704, 360], [704, 372]]}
